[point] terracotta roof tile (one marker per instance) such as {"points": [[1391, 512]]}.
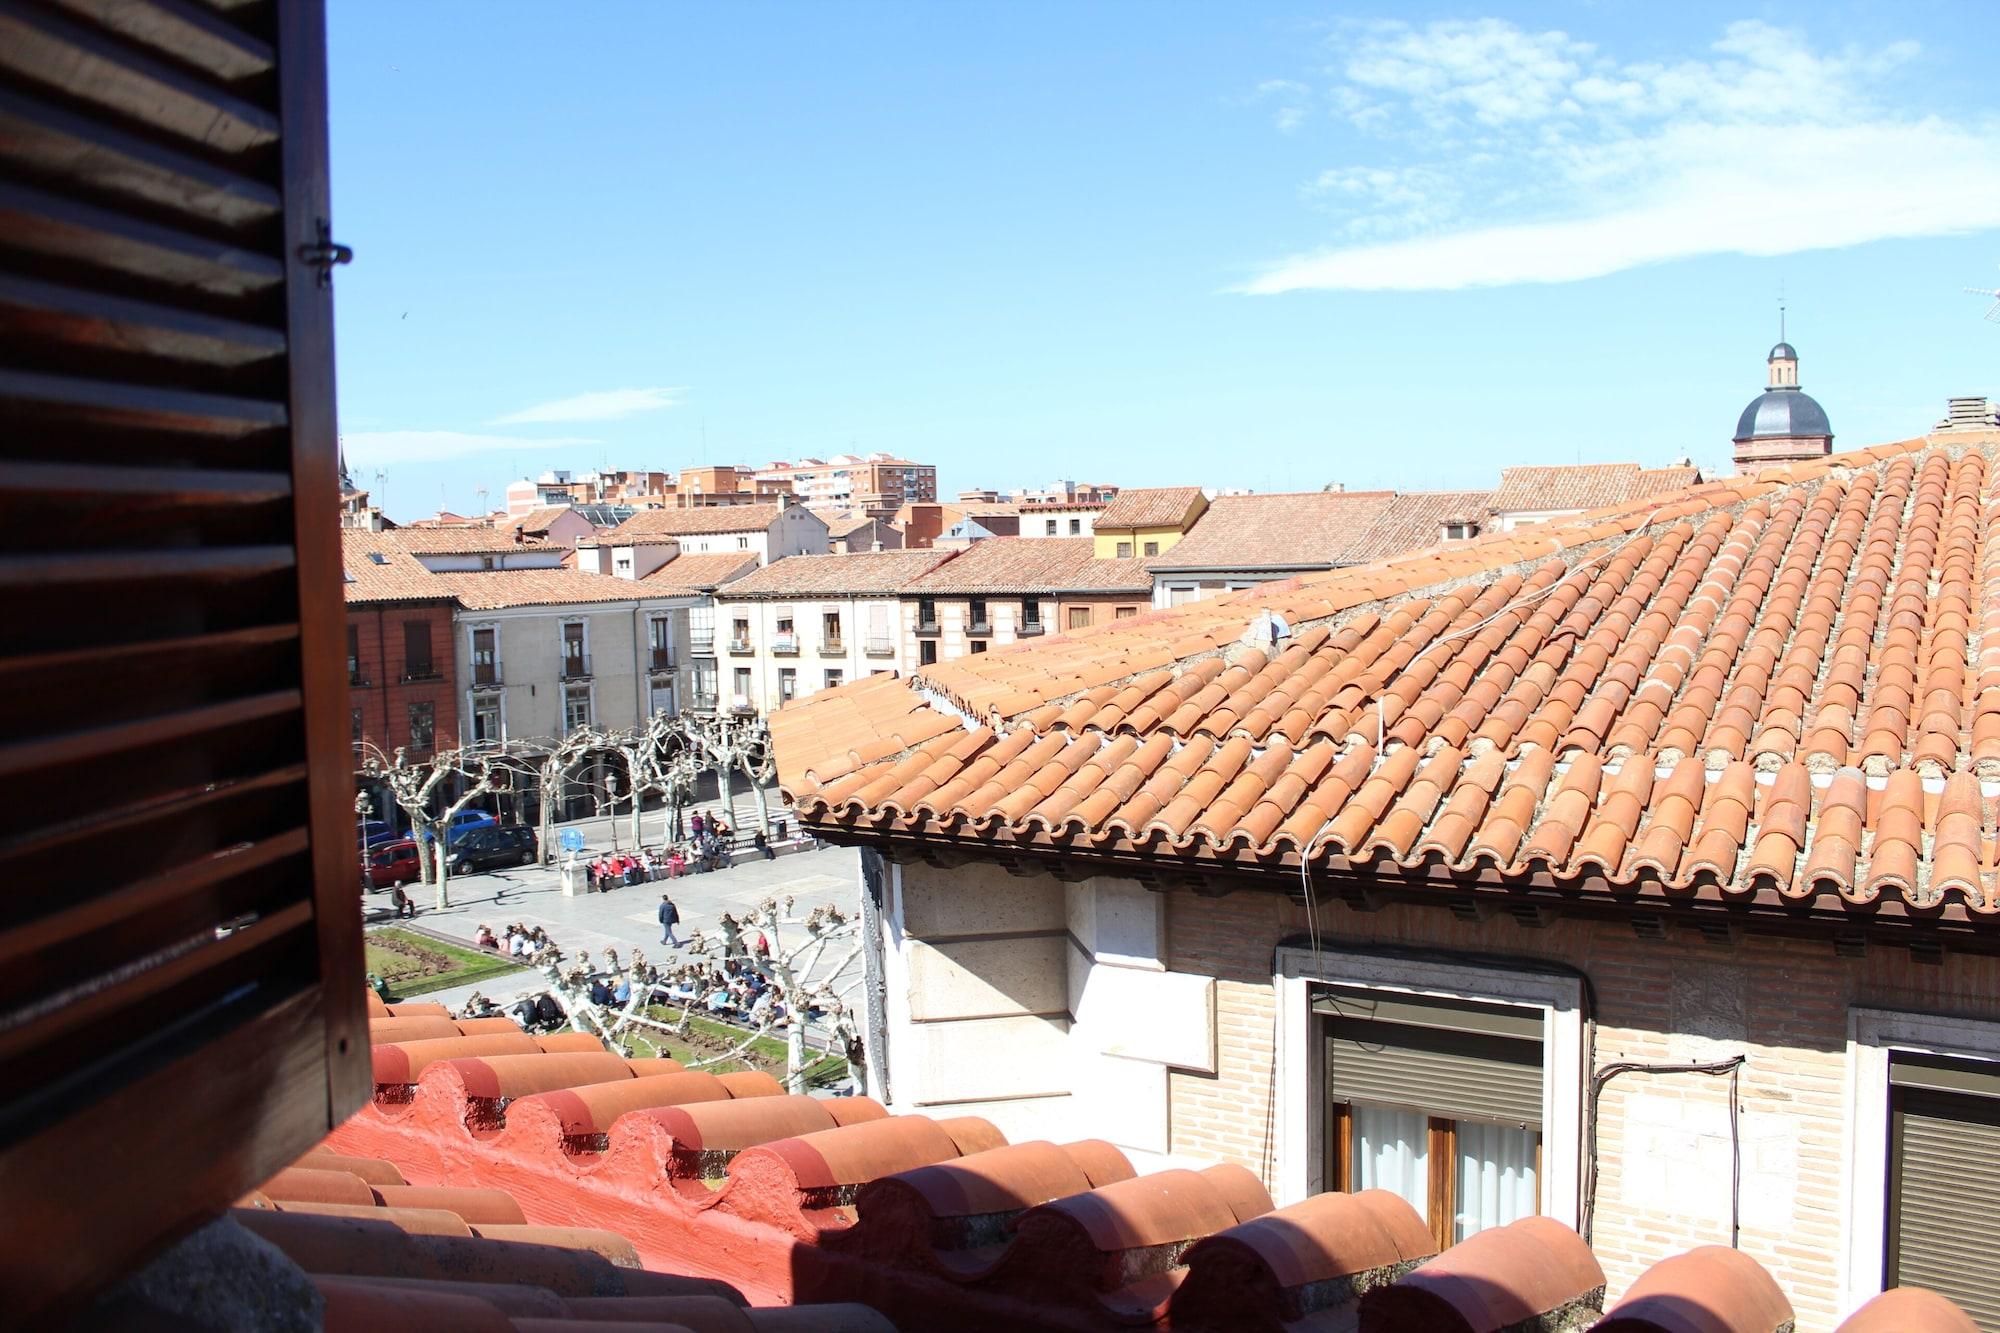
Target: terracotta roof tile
{"points": [[1306, 530], [1150, 507], [496, 589], [1787, 682], [1585, 486], [691, 575], [379, 568], [708, 520], [1019, 565], [863, 573]]}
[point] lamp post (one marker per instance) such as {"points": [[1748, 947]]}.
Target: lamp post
{"points": [[363, 807], [611, 787]]}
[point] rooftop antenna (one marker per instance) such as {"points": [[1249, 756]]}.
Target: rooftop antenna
{"points": [[1781, 310], [381, 487], [1992, 311], [481, 493]]}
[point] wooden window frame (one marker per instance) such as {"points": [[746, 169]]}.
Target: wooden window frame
{"points": [[1441, 1189]]}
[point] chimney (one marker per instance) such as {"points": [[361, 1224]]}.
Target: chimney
{"points": [[876, 545]]}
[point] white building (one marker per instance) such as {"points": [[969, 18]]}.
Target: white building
{"points": [[767, 531], [812, 622]]}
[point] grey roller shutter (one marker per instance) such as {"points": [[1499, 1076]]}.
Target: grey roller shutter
{"points": [[1944, 1185], [1453, 1059]]}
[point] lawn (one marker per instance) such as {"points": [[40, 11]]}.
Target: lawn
{"points": [[415, 964], [705, 1038]]}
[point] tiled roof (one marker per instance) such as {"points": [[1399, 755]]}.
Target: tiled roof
{"points": [[481, 540], [1150, 507], [498, 589], [1585, 485], [859, 574], [1783, 687], [617, 1169], [377, 568], [685, 575], [840, 524], [710, 520], [1032, 565], [1413, 521], [536, 521], [1302, 530]]}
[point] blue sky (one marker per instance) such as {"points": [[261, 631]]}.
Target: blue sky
{"points": [[1247, 244]]}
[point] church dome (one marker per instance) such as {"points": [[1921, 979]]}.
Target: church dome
{"points": [[1782, 352], [1782, 414]]}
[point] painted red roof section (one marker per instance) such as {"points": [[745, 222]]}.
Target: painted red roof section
{"points": [[1785, 684]]}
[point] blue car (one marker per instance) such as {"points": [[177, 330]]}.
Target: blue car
{"points": [[462, 823], [374, 832]]}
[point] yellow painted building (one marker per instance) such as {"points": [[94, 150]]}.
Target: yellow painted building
{"points": [[1147, 522]]}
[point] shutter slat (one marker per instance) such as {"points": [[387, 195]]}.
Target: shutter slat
{"points": [[76, 746], [62, 228], [90, 323], [92, 66], [1451, 1074], [142, 405], [219, 566], [43, 139], [184, 32]]}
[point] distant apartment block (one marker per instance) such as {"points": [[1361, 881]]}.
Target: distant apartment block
{"points": [[875, 481]]}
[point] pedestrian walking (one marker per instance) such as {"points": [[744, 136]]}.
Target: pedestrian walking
{"points": [[698, 824], [669, 915]]}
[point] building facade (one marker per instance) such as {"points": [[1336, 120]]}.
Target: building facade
{"points": [[877, 482], [765, 531], [1138, 524], [1002, 590]]}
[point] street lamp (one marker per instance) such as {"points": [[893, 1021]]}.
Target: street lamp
{"points": [[611, 787], [363, 807]]}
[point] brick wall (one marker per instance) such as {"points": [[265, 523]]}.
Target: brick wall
{"points": [[385, 698], [1663, 1140]]}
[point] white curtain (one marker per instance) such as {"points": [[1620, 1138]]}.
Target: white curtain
{"points": [[1392, 1152], [1496, 1175]]}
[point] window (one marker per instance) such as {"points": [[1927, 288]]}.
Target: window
{"points": [[742, 687], [1124, 550], [1052, 527], [354, 655], [788, 684], [486, 656], [977, 613], [834, 676], [575, 661], [927, 652], [1031, 614], [423, 726], [486, 726], [417, 650], [1076, 527], [742, 543], [660, 643], [701, 629], [829, 628], [784, 624], [355, 718], [1182, 594], [486, 562], [1079, 616], [1436, 1100], [1152, 548], [661, 699], [1460, 531], [1944, 1174], [927, 613], [977, 645], [1125, 613], [576, 708], [739, 635]]}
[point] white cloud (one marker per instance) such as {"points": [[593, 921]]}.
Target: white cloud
{"points": [[1531, 157], [604, 405], [373, 448]]}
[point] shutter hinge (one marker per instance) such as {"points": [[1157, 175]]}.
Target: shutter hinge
{"points": [[325, 254]]}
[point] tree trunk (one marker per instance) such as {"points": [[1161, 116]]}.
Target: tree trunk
{"points": [[763, 811], [443, 855], [638, 797], [727, 792], [795, 1047]]}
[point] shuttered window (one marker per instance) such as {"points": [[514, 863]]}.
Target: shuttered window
{"points": [[1437, 1100], [180, 983], [1944, 1186]]}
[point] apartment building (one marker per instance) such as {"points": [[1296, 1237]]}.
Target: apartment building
{"points": [[477, 547], [877, 481], [1060, 518], [1671, 967], [542, 652], [560, 489], [766, 532], [401, 651], [811, 623], [1006, 589]]}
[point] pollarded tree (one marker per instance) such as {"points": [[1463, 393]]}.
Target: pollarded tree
{"points": [[416, 787]]}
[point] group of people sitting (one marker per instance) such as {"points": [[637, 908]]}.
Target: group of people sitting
{"points": [[519, 942], [732, 990]]}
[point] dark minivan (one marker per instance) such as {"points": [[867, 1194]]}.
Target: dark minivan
{"points": [[488, 848]]}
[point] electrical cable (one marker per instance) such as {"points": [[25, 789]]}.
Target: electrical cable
{"points": [[1731, 1067]]}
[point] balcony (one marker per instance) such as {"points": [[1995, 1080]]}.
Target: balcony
{"points": [[928, 628], [785, 643], [416, 671], [661, 659], [486, 675], [354, 676], [702, 703], [879, 645], [1029, 628], [832, 648], [701, 643], [740, 647], [576, 666], [741, 704], [981, 627]]}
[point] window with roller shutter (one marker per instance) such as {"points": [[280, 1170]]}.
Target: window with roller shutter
{"points": [[180, 962], [1944, 1179]]}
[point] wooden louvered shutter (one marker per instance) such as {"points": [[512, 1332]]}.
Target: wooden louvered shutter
{"points": [[1454, 1059], [181, 1008], [1944, 1181]]}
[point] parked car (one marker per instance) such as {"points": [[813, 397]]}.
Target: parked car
{"points": [[395, 863], [374, 832], [488, 848], [461, 823]]}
